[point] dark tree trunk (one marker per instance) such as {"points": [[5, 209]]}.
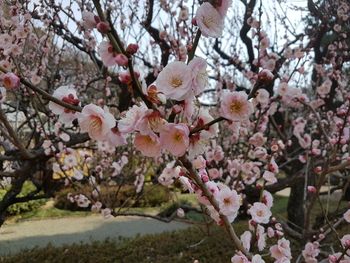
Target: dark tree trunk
{"points": [[295, 207]]}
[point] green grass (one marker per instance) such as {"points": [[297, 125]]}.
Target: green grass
{"points": [[51, 212], [179, 246], [202, 242]]}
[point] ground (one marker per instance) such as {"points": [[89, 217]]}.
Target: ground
{"points": [[28, 234]]}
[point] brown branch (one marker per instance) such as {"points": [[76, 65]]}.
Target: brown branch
{"points": [[164, 46], [243, 34], [229, 228], [44, 94], [23, 151]]}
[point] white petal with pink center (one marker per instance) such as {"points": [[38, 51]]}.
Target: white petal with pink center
{"points": [[199, 75], [260, 213], [148, 145], [107, 54], [67, 95], [209, 20], [235, 106], [174, 138], [175, 80], [131, 117], [229, 202], [97, 122]]}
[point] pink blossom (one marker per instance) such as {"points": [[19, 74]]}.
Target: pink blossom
{"points": [[89, 20], [199, 163], [82, 200], [325, 88], [115, 138], [235, 106], [257, 139], [345, 241], [267, 199], [186, 184], [347, 216], [149, 122], [265, 76], [257, 259], [262, 97], [183, 15], [214, 173], [273, 167], [334, 258], [223, 6], [218, 154], [239, 258], [10, 81], [310, 252], [107, 54], [261, 237], [169, 173], [209, 20], [199, 75], [281, 251], [180, 213], [106, 213], [148, 145], [246, 237], [97, 122], [67, 95], [131, 117], [229, 202], [174, 81], [174, 138], [260, 213], [269, 177], [121, 60]]}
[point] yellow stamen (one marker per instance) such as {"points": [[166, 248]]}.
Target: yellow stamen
{"points": [[176, 81]]}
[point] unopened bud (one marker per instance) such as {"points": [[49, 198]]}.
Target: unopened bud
{"points": [[103, 27], [311, 189], [132, 48], [121, 60]]}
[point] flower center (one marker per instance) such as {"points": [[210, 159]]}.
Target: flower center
{"points": [[227, 201], [176, 81], [95, 123], [7, 82], [260, 213], [177, 137], [236, 107], [208, 21]]}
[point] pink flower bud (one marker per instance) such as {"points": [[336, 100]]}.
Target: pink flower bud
{"points": [[318, 169], [332, 258], [177, 109], [205, 178], [124, 77], [194, 21], [132, 48], [347, 243], [97, 19], [103, 27], [265, 76], [121, 60], [311, 189], [10, 81]]}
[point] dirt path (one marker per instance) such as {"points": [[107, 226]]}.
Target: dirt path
{"points": [[28, 234]]}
